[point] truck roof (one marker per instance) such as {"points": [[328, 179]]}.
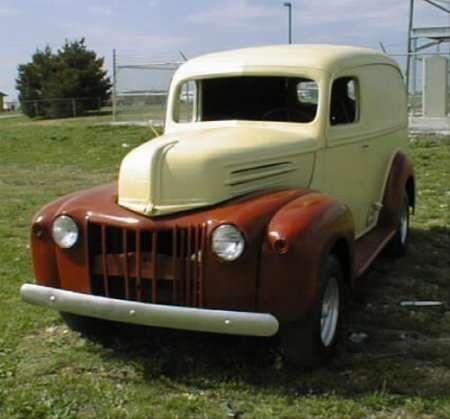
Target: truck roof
{"points": [[329, 58]]}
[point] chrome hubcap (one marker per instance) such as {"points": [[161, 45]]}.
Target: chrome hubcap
{"points": [[404, 227], [330, 312]]}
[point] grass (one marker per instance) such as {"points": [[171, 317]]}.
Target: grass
{"points": [[47, 370], [139, 112]]}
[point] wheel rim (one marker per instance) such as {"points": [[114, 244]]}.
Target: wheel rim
{"points": [[330, 312], [403, 227]]}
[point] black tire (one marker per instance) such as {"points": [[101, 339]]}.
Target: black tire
{"points": [[398, 246], [303, 342]]}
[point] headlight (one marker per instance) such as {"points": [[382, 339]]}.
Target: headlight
{"points": [[65, 231], [227, 242]]}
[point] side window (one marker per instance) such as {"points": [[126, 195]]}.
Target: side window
{"points": [[344, 105], [308, 93], [305, 109], [186, 102]]}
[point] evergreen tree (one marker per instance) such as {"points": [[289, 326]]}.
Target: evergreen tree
{"points": [[72, 72]]}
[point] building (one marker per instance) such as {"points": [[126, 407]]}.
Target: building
{"points": [[2, 95]]}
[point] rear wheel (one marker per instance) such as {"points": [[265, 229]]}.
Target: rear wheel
{"points": [[312, 342], [398, 245]]}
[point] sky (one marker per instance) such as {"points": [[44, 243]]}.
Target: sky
{"points": [[153, 30]]}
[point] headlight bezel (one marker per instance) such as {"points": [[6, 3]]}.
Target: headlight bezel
{"points": [[61, 241], [220, 229]]}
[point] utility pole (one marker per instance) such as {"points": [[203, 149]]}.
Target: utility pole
{"points": [[288, 4]]}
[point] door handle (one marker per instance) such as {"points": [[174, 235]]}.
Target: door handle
{"points": [[365, 146]]}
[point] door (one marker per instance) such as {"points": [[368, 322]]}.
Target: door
{"points": [[384, 106], [345, 154]]}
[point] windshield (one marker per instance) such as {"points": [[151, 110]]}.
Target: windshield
{"points": [[254, 98]]}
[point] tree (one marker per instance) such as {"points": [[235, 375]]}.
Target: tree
{"points": [[72, 72]]}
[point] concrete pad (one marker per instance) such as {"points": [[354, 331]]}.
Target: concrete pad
{"points": [[430, 125], [154, 123], [8, 116]]}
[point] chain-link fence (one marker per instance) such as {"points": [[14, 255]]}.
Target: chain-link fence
{"points": [[61, 108], [140, 88]]}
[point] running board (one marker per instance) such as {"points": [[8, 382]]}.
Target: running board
{"points": [[370, 246]]}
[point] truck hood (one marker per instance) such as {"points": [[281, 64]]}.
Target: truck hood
{"points": [[195, 169]]}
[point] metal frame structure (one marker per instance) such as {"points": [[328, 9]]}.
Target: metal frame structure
{"points": [[429, 36]]}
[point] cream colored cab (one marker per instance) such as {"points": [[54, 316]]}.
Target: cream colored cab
{"points": [[324, 117]]}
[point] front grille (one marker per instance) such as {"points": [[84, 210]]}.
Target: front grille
{"points": [[158, 266]]}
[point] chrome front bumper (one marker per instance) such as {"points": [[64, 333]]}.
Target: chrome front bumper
{"points": [[174, 317]]}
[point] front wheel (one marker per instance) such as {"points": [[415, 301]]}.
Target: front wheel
{"points": [[312, 342]]}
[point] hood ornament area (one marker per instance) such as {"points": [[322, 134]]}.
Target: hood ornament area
{"points": [[139, 176]]}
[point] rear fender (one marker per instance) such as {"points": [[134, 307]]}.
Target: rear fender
{"points": [[299, 238], [401, 178]]}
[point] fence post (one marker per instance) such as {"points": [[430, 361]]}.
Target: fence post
{"points": [[114, 101], [74, 108], [36, 108]]}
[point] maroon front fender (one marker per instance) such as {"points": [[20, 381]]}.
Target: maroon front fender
{"points": [[299, 238]]}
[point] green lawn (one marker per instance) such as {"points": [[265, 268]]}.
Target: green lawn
{"points": [[47, 370], [139, 112]]}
